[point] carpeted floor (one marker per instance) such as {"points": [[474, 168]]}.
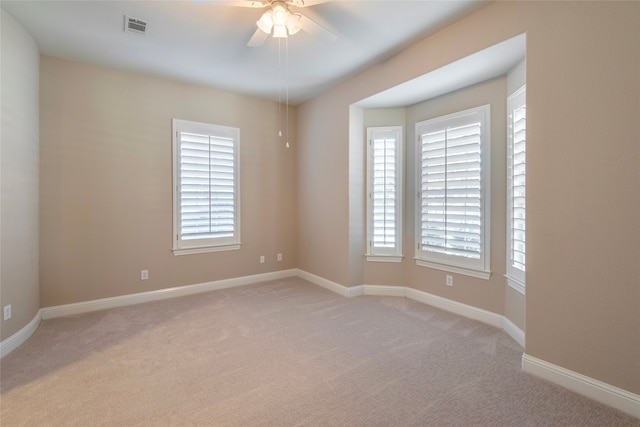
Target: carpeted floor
{"points": [[280, 353]]}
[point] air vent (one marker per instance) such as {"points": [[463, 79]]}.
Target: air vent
{"points": [[135, 25]]}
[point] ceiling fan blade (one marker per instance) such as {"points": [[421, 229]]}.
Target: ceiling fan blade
{"points": [[258, 38], [305, 3], [316, 30], [237, 3]]}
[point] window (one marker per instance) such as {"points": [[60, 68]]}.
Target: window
{"points": [[206, 188], [516, 179], [384, 201], [452, 215]]}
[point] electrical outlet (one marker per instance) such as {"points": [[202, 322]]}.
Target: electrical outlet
{"points": [[261, 259], [7, 312], [449, 280], [144, 274], [279, 257]]}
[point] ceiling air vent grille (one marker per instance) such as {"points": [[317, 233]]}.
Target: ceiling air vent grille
{"points": [[135, 25]]}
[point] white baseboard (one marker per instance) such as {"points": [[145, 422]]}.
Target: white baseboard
{"points": [[513, 331], [328, 284], [403, 291], [388, 291], [15, 340], [436, 301], [452, 306], [160, 294], [581, 384], [594, 389], [456, 307]]}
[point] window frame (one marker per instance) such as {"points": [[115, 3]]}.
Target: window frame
{"points": [[515, 276], [203, 245], [479, 268], [374, 253]]}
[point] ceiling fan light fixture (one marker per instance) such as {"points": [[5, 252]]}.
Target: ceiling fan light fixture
{"points": [[294, 23], [279, 31], [279, 21], [279, 14], [265, 23]]}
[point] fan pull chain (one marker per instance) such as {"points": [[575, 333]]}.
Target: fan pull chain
{"points": [[279, 89], [286, 60]]}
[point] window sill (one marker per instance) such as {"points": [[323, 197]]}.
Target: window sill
{"points": [[205, 249], [515, 284], [384, 258], [480, 274]]}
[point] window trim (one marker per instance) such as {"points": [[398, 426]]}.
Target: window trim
{"points": [[458, 264], [197, 246], [515, 276], [385, 254]]}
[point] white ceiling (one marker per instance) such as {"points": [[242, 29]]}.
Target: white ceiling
{"points": [[486, 64], [202, 42]]}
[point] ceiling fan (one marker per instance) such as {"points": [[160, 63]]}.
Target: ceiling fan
{"points": [[279, 21]]}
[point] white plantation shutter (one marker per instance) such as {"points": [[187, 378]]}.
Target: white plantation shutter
{"points": [[384, 191], [516, 186], [453, 195], [384, 178], [206, 186]]}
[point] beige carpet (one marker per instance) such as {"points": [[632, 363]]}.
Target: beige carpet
{"points": [[281, 353]]}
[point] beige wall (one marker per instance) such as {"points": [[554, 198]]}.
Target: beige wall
{"points": [[19, 285], [323, 192], [106, 183], [485, 294], [357, 233], [510, 302], [517, 77], [583, 157], [515, 308], [514, 301], [583, 94], [105, 180], [384, 273]]}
